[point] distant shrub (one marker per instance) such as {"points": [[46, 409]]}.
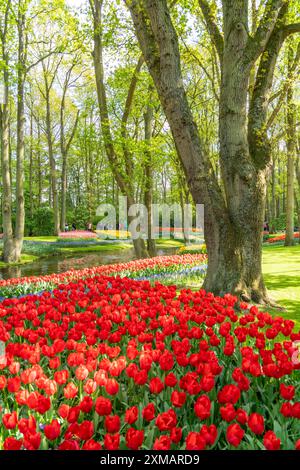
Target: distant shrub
{"points": [[279, 223], [42, 222]]}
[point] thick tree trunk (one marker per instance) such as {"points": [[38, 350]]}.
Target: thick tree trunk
{"points": [[235, 254], [239, 266], [233, 226]]}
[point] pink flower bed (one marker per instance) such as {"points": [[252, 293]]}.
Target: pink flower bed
{"points": [[78, 234]]}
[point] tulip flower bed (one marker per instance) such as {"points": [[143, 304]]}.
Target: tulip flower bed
{"points": [[136, 269], [281, 238], [77, 234], [113, 363]]}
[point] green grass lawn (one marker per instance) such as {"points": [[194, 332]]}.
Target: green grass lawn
{"points": [[50, 239], [95, 248], [168, 243], [162, 242], [281, 267], [24, 260]]}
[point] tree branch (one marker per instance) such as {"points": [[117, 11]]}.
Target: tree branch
{"points": [[291, 29], [41, 59], [210, 78], [282, 133], [131, 90], [3, 32], [256, 44], [126, 112], [212, 27], [73, 132], [257, 129], [92, 8], [159, 43], [287, 84]]}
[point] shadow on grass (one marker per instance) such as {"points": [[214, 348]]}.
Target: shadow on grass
{"points": [[282, 281], [292, 311]]}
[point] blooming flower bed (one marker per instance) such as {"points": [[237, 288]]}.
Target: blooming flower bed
{"points": [[280, 238], [113, 234], [114, 363], [137, 268], [77, 234]]}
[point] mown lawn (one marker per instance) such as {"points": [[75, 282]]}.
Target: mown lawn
{"points": [[25, 258], [168, 243], [51, 239], [95, 248], [281, 267]]}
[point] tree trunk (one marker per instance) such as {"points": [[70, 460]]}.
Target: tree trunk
{"points": [[8, 254], [31, 168], [273, 194], [233, 227], [297, 200], [63, 192], [20, 205], [291, 153], [12, 243], [148, 120], [65, 146], [122, 178], [39, 162], [53, 176], [239, 267]]}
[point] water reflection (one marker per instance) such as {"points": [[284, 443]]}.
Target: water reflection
{"points": [[61, 263]]}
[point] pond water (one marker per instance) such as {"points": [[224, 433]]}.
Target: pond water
{"points": [[61, 263]]}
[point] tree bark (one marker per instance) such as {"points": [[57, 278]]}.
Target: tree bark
{"points": [[54, 190], [122, 179], [291, 153], [31, 199], [48, 83], [8, 254], [39, 162], [65, 146], [64, 181], [13, 241], [233, 225], [20, 207], [273, 194], [148, 196]]}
